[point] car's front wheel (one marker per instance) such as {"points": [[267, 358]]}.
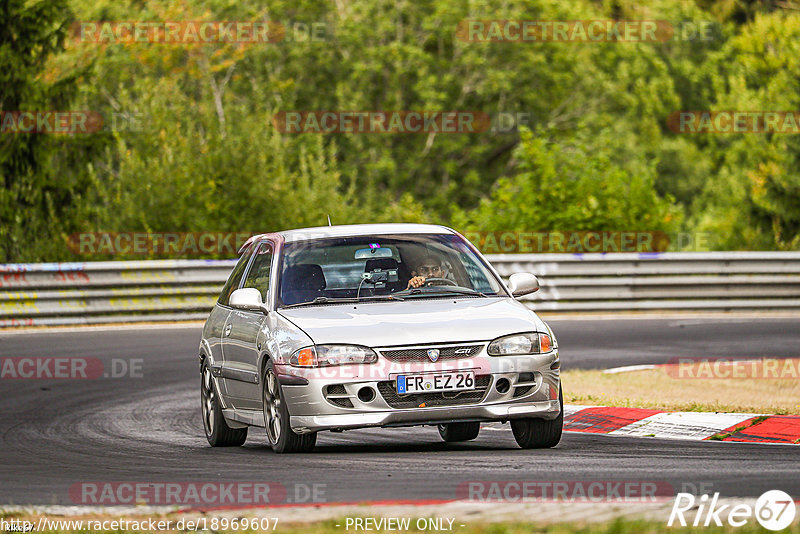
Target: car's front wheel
{"points": [[276, 418], [218, 433], [539, 433], [453, 432]]}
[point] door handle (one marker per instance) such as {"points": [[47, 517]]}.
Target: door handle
{"points": [[228, 328]]}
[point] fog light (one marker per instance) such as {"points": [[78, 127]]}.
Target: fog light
{"points": [[502, 385], [366, 394]]}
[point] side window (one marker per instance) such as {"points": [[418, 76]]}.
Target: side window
{"points": [[236, 276], [258, 276], [477, 278]]}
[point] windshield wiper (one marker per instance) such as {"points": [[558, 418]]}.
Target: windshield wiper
{"points": [[446, 289], [341, 300], [381, 297], [322, 300]]}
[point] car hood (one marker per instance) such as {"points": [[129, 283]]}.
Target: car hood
{"points": [[414, 321]]}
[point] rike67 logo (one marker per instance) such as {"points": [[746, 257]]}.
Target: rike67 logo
{"points": [[774, 510]]}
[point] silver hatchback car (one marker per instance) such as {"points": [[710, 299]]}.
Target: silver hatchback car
{"points": [[383, 325]]}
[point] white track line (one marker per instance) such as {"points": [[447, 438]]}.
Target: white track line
{"points": [[683, 425]]}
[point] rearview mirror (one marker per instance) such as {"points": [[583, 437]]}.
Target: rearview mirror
{"points": [[522, 284], [376, 252], [247, 298]]}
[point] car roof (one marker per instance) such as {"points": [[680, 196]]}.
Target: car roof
{"points": [[350, 230]]}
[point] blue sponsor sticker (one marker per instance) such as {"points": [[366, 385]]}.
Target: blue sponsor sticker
{"points": [[401, 384]]}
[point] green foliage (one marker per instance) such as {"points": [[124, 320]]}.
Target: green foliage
{"points": [[36, 199], [572, 186], [753, 198], [189, 143]]}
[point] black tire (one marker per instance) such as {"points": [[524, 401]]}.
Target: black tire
{"points": [[280, 435], [539, 433], [454, 432], [218, 433]]}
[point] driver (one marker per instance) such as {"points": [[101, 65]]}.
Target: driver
{"points": [[429, 267]]}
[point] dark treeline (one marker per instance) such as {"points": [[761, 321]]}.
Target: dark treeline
{"points": [[579, 140]]}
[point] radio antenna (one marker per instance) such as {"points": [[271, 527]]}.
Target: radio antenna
{"points": [[329, 220]]}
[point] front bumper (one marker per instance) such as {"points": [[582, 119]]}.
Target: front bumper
{"points": [[509, 392], [419, 416]]}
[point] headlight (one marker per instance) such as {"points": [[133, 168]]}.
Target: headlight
{"points": [[552, 336], [325, 355], [527, 343]]}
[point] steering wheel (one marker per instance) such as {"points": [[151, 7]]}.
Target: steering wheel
{"points": [[441, 282]]}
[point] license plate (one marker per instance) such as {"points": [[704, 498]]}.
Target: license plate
{"points": [[431, 383]]}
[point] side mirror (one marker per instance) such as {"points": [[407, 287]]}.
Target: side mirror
{"points": [[247, 298], [522, 284]]}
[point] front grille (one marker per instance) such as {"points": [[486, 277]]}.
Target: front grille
{"points": [[341, 403], [519, 391], [338, 389], [388, 390], [523, 378], [421, 354]]}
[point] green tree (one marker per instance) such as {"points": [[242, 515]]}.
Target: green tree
{"points": [[570, 186], [36, 201], [752, 200], [203, 154]]}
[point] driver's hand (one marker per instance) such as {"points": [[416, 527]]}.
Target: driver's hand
{"points": [[416, 281]]}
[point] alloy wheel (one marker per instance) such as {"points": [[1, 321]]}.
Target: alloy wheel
{"points": [[208, 394], [272, 406]]}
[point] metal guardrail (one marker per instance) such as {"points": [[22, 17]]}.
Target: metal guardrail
{"points": [[719, 281], [109, 291], [168, 290]]}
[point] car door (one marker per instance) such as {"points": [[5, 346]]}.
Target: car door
{"points": [[244, 335], [219, 328]]}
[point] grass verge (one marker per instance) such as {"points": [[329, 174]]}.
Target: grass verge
{"points": [[666, 389]]}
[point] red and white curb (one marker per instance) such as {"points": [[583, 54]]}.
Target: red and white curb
{"points": [[640, 422]]}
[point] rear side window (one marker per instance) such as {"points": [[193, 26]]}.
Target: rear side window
{"points": [[235, 278], [258, 275]]}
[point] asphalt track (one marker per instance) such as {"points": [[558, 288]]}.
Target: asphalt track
{"points": [[57, 433]]}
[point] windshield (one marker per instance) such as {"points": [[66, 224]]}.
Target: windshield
{"points": [[382, 267]]}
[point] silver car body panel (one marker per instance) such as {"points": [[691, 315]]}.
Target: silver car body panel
{"points": [[352, 230], [236, 344], [383, 324]]}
